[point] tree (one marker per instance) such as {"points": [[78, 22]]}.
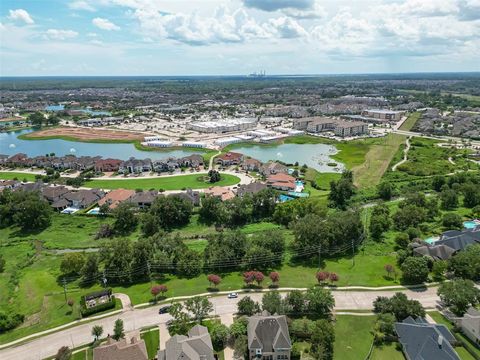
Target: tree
{"points": [[380, 221], [249, 277], [320, 302], [322, 276], [384, 329], [272, 302], [452, 221], [219, 334], [448, 199], [311, 232], [2, 264], [259, 277], [199, 306], [239, 327], [466, 264], [214, 279], [149, 225], [398, 305], [390, 269], [36, 119], [322, 340], [189, 264], [385, 191], [263, 204], [415, 270], [210, 210], [97, 331], [71, 302], [246, 306], [171, 211], [459, 295], [438, 182], [64, 353], [158, 289], [295, 302], [240, 348], [72, 263], [471, 195], [214, 176], [90, 269], [402, 240], [226, 247], [117, 255], [302, 328], [118, 331], [125, 219], [274, 277], [342, 190], [438, 270], [409, 216], [30, 211], [181, 323], [333, 277]]}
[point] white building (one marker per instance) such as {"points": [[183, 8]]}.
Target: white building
{"points": [[194, 144], [227, 141], [223, 126], [158, 143]]}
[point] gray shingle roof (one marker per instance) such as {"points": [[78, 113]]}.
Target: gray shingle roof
{"points": [[268, 333], [196, 346]]}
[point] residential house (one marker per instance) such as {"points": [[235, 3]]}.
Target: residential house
{"points": [[9, 184], [251, 189], [196, 346], [251, 164], [164, 165], [107, 165], [19, 159], [449, 244], [422, 340], [229, 159], [143, 199], [268, 337], [82, 199], [85, 163], [133, 165], [281, 182], [191, 196], [470, 324], [135, 349], [115, 197], [54, 193], [273, 167], [224, 193], [193, 161]]}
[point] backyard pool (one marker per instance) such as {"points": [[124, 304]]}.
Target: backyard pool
{"points": [[431, 240], [94, 211], [472, 224]]}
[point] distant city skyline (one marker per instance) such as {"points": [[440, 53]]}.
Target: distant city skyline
{"points": [[237, 37]]}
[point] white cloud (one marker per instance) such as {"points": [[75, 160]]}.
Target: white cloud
{"points": [[105, 24], [81, 5], [316, 12], [274, 5], [58, 34], [20, 15], [286, 28]]}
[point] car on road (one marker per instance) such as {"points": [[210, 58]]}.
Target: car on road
{"points": [[164, 309], [232, 295]]}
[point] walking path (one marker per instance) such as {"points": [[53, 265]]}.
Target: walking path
{"points": [[46, 343], [227, 319], [405, 154]]}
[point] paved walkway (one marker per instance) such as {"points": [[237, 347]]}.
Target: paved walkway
{"points": [[346, 299], [405, 154], [227, 319], [164, 335], [126, 302]]}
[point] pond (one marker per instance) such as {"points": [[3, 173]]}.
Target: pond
{"points": [[317, 156], [87, 111], [10, 145]]}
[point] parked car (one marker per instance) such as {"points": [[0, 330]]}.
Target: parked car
{"points": [[233, 295], [164, 309]]}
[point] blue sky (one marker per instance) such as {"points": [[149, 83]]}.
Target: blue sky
{"points": [[211, 37]]}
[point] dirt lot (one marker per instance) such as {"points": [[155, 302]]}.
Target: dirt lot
{"points": [[86, 134]]}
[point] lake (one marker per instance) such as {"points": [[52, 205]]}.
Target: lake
{"points": [[10, 145], [316, 156]]}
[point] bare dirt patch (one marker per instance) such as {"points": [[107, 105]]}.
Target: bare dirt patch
{"points": [[85, 134]]}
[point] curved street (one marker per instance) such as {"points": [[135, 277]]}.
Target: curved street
{"points": [[134, 319]]}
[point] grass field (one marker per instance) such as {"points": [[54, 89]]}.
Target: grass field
{"points": [[6, 175], [411, 121], [193, 181], [152, 342], [387, 351], [352, 337]]}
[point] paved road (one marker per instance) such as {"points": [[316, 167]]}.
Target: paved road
{"points": [[48, 345]]}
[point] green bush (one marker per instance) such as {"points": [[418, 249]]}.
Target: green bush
{"points": [[99, 308]]}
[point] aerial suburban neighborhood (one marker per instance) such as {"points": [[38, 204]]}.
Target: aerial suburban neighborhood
{"points": [[239, 180]]}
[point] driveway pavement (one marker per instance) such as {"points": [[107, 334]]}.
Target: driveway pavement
{"points": [[80, 335]]}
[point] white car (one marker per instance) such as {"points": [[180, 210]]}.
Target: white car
{"points": [[233, 295]]}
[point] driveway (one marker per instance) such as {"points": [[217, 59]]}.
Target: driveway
{"points": [[227, 319]]}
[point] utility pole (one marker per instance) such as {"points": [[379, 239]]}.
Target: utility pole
{"points": [[320, 257], [64, 281], [104, 280], [353, 253], [149, 272]]}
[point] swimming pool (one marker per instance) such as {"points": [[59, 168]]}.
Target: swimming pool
{"points": [[299, 186], [431, 240], [94, 211], [472, 224], [284, 198]]}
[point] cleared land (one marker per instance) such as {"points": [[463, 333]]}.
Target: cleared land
{"points": [[411, 121], [194, 181], [85, 135]]}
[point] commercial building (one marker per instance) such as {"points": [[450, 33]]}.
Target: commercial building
{"points": [[194, 144], [227, 141], [223, 126], [321, 124], [158, 143], [350, 128], [384, 114]]}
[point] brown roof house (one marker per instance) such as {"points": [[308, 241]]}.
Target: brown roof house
{"points": [[281, 182], [223, 193], [251, 165], [272, 167], [107, 165], [229, 159], [268, 337], [135, 349], [143, 199], [196, 346], [115, 197]]}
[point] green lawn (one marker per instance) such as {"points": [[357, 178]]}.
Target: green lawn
{"points": [[411, 121], [86, 354], [152, 342], [193, 181], [387, 351], [6, 175], [352, 337]]}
